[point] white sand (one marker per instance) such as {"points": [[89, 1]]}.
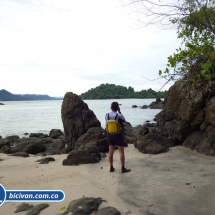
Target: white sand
{"points": [[156, 183]]}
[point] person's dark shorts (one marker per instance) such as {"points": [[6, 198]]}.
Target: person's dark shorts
{"points": [[115, 140]]}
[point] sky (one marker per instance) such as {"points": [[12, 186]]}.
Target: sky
{"points": [[58, 46]]}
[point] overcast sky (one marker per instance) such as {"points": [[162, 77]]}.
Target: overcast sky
{"points": [[55, 46]]}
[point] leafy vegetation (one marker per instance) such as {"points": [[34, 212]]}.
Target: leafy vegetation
{"points": [[197, 32], [112, 91], [195, 24]]}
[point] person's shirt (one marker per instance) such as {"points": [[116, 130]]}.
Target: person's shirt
{"points": [[113, 114]]}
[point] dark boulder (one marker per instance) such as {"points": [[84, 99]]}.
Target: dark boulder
{"points": [[130, 133], [66, 149], [14, 139], [83, 206], [145, 107], [45, 160], [31, 145], [85, 155], [2, 104], [23, 207], [202, 142], [6, 150], [93, 137], [188, 115], [35, 210], [39, 135], [153, 143], [158, 104], [134, 106], [53, 146], [55, 133], [77, 118], [4, 142], [108, 211]]}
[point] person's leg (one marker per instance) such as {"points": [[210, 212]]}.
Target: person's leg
{"points": [[122, 159], [111, 151], [122, 155]]}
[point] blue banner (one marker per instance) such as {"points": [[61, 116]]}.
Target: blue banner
{"points": [[30, 195]]}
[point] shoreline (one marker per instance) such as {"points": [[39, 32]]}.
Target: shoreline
{"points": [[179, 182]]}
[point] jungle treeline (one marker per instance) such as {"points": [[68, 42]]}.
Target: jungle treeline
{"points": [[112, 91]]}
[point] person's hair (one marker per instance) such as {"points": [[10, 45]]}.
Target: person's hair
{"points": [[114, 106]]}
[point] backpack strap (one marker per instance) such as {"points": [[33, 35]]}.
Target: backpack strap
{"points": [[108, 116], [116, 116]]}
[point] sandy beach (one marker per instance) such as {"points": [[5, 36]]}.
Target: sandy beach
{"points": [[179, 182]]}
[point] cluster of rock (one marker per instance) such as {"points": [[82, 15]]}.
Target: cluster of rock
{"points": [[31, 210], [82, 206], [87, 206], [189, 116], [158, 104], [51, 144]]}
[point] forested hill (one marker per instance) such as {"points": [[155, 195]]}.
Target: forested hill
{"points": [[112, 91], [7, 96]]}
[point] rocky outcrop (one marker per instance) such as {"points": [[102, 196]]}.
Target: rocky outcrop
{"points": [[152, 143], [45, 160], [39, 135], [4, 142], [77, 118], [188, 116], [55, 133], [108, 211], [37, 143], [158, 104], [31, 210], [54, 146], [83, 206], [93, 137], [85, 155], [30, 145], [87, 206]]}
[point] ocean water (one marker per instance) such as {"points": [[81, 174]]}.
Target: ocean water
{"points": [[19, 117]]}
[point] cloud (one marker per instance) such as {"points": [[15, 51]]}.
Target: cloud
{"points": [[51, 47]]}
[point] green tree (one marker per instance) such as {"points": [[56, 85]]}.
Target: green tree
{"points": [[195, 24]]}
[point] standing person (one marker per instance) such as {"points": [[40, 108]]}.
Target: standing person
{"points": [[114, 129]]}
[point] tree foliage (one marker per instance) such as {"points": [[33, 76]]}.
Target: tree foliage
{"points": [[195, 24], [112, 91]]}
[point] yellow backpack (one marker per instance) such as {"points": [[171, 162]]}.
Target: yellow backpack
{"points": [[113, 126]]}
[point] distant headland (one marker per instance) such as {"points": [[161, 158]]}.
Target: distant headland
{"points": [[112, 91], [7, 96]]}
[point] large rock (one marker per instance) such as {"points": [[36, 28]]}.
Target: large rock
{"points": [[85, 155], [188, 115], [158, 104], [83, 206], [182, 106], [55, 133], [4, 142], [108, 211], [152, 143], [93, 137], [53, 146], [130, 133], [39, 135], [31, 145], [77, 118]]}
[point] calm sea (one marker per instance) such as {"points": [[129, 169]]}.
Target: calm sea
{"points": [[19, 117]]}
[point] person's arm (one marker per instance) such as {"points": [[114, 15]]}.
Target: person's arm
{"points": [[121, 116]]}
